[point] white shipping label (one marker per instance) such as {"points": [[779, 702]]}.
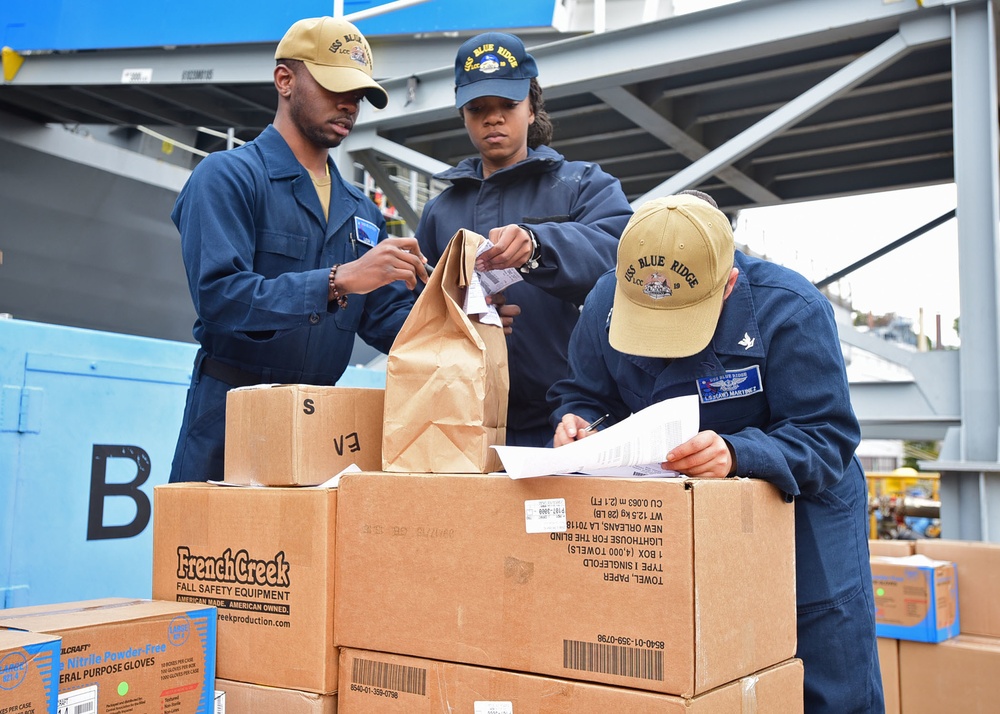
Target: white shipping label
{"points": [[493, 708], [545, 516], [142, 75]]}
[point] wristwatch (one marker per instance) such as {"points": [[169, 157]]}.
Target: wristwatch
{"points": [[536, 252]]}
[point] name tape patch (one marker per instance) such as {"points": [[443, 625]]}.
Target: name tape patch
{"points": [[733, 384]]}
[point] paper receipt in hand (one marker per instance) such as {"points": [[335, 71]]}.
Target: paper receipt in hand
{"points": [[487, 283]]}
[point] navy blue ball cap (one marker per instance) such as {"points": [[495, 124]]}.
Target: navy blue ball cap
{"points": [[493, 64]]}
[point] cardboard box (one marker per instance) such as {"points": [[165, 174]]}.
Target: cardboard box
{"points": [[888, 661], [958, 675], [672, 585], [916, 598], [29, 672], [122, 656], [246, 698], [265, 558], [894, 548], [301, 435], [978, 568], [379, 683]]}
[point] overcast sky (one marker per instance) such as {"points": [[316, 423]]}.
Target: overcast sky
{"points": [[820, 238]]}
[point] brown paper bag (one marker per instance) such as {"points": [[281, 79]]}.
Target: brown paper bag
{"points": [[446, 378]]}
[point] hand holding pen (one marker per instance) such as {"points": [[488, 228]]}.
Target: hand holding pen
{"points": [[573, 428]]}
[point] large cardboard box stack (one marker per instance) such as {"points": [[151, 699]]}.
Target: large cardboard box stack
{"points": [[300, 435], [122, 656], [957, 675], [977, 565], [29, 672], [380, 683], [916, 598], [263, 550], [246, 698], [265, 558], [669, 585]]}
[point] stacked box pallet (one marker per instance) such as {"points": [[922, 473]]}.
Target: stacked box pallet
{"points": [[262, 548], [958, 673], [570, 584], [592, 593]]}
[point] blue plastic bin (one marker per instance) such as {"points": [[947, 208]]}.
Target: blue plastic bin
{"points": [[88, 424]]}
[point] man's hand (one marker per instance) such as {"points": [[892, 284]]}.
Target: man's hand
{"points": [[511, 249], [506, 312], [705, 455], [392, 259], [571, 428]]}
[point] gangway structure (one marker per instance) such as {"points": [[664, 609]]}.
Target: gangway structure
{"points": [[758, 102]]}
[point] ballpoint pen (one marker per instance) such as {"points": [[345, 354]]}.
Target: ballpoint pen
{"points": [[594, 424]]}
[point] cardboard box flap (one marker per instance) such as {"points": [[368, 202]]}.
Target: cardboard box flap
{"points": [[84, 614]]}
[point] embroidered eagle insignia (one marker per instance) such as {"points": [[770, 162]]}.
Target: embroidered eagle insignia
{"points": [[728, 384]]}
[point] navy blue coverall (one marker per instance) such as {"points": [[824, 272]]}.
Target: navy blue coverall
{"points": [[789, 420]]}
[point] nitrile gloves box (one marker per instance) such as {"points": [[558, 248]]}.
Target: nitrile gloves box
{"points": [[916, 598]]}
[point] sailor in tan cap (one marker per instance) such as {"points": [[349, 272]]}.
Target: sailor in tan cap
{"points": [[287, 261], [684, 313]]}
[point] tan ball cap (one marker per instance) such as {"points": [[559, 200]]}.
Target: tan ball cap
{"points": [[674, 260], [336, 54]]}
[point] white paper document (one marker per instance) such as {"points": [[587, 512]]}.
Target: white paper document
{"points": [[488, 283], [634, 447]]}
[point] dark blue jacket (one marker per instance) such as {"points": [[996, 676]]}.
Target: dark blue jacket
{"points": [[793, 425], [258, 253], [578, 213]]}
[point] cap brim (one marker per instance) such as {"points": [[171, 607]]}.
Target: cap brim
{"points": [[680, 332], [515, 90], [348, 79]]}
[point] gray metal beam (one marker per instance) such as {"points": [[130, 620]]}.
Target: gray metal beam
{"points": [[918, 32], [970, 472], [364, 138], [635, 54], [976, 150], [673, 136], [365, 145], [65, 144], [370, 161]]}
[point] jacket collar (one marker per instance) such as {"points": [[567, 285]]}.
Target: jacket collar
{"points": [[543, 158], [280, 163]]}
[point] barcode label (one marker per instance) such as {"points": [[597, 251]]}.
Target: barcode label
{"points": [[78, 701], [613, 659], [400, 678], [545, 516]]}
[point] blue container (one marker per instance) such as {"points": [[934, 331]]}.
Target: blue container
{"points": [[88, 425]]}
